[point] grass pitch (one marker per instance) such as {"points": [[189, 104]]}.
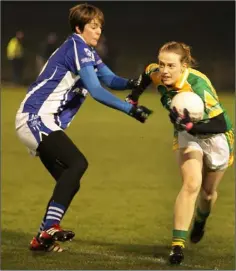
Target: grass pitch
{"points": [[123, 213]]}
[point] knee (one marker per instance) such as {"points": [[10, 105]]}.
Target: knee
{"points": [[192, 185], [83, 163], [80, 164], [208, 195], [77, 170]]}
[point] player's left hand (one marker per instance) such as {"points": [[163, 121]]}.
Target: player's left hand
{"points": [[140, 83], [181, 122], [134, 83], [138, 86]]}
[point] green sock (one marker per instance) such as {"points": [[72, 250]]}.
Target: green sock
{"points": [[179, 238], [201, 216]]}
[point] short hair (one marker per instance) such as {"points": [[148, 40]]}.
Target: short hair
{"points": [[82, 14]]}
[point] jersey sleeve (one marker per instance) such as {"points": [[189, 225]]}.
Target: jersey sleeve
{"points": [[98, 61], [111, 80], [100, 94], [79, 56], [211, 102]]}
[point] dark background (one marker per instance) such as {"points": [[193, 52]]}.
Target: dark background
{"points": [[134, 31]]}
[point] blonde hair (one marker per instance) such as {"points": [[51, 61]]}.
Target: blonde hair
{"points": [[181, 49]]}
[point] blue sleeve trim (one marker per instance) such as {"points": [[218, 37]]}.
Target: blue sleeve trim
{"points": [[92, 84], [111, 80]]}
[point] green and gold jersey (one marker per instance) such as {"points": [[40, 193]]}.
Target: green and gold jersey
{"points": [[195, 81]]}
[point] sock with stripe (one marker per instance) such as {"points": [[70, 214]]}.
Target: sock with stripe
{"points": [[201, 217], [41, 227], [54, 215], [179, 237]]}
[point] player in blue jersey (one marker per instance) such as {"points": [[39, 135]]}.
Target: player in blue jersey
{"points": [[50, 104]]}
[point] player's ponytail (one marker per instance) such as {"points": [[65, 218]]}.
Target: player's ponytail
{"points": [[188, 57], [181, 49]]}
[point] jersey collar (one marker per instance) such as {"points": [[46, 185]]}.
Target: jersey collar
{"points": [[181, 81], [79, 36]]}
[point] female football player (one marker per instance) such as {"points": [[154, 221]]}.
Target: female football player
{"points": [[204, 149], [52, 102]]}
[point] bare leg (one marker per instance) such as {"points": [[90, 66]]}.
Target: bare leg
{"points": [[208, 194], [207, 199], [190, 162]]}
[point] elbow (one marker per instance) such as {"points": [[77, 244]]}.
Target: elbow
{"points": [[108, 82], [111, 81], [109, 85], [95, 93], [224, 128], [221, 125]]}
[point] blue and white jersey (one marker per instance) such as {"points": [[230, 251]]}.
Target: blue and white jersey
{"points": [[59, 89]]}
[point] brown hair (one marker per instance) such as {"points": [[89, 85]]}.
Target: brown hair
{"points": [[181, 49], [82, 14]]}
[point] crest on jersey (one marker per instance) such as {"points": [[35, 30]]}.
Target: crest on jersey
{"points": [[89, 54]]}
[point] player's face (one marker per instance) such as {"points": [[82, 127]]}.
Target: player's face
{"points": [[170, 67], [92, 32]]}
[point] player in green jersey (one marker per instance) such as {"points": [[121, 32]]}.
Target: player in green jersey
{"points": [[204, 149]]}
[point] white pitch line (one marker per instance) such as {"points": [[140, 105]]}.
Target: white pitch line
{"points": [[148, 258]]}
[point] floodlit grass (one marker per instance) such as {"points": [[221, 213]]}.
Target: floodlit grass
{"points": [[123, 213]]}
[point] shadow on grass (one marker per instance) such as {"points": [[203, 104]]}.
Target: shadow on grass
{"points": [[145, 250], [88, 254], [80, 254], [20, 239]]}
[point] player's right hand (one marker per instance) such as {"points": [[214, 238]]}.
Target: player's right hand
{"points": [[140, 113], [181, 122]]}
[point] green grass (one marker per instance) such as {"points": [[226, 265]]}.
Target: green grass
{"points": [[123, 213]]}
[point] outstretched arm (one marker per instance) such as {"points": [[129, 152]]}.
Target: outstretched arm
{"points": [[100, 94], [114, 81], [111, 80], [144, 81], [103, 96]]}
